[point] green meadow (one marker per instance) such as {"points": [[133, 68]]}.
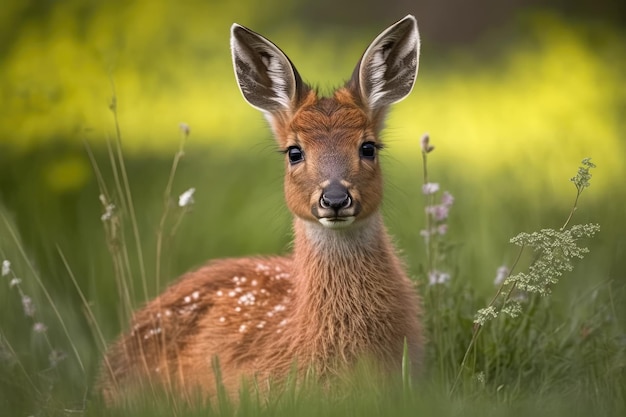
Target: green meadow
{"points": [[93, 99]]}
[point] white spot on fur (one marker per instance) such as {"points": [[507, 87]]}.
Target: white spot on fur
{"points": [[243, 328], [219, 293], [152, 332], [247, 299], [239, 280]]}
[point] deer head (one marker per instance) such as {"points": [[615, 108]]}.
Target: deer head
{"points": [[331, 144]]}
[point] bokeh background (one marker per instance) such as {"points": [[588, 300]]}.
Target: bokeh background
{"points": [[513, 94]]}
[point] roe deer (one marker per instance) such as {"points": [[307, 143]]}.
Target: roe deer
{"points": [[343, 294]]}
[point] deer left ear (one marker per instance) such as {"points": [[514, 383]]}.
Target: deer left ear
{"points": [[388, 68], [266, 77]]}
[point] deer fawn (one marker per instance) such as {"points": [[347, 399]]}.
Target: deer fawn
{"points": [[343, 294]]}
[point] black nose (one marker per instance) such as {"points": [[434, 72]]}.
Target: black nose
{"points": [[335, 197]]}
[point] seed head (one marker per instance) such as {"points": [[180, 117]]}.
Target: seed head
{"points": [[425, 143], [6, 268], [185, 129]]}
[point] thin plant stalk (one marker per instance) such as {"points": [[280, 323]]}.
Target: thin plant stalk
{"points": [[167, 197], [51, 302], [478, 327], [115, 237], [125, 191], [90, 316]]}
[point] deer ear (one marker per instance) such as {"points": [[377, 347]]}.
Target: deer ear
{"points": [[267, 78], [387, 70]]}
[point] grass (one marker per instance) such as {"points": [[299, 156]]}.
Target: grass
{"points": [[564, 354]]}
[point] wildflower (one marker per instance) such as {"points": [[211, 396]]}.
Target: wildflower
{"points": [[501, 274], [14, 282], [485, 314], [438, 277], [425, 143], [480, 377], [582, 178], [28, 306], [185, 129], [55, 357], [447, 199], [186, 198], [6, 268], [442, 229], [430, 188], [108, 208], [108, 212], [39, 327], [439, 212]]}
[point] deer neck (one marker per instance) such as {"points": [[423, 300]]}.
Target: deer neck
{"points": [[346, 283]]}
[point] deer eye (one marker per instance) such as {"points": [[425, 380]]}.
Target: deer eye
{"points": [[368, 150], [295, 155]]}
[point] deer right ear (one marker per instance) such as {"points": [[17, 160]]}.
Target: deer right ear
{"points": [[267, 78], [387, 70]]}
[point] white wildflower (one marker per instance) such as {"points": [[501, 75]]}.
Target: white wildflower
{"points": [[14, 282], [430, 188], [39, 327], [108, 212], [55, 357], [6, 268], [29, 307], [501, 275], [186, 198], [438, 277]]}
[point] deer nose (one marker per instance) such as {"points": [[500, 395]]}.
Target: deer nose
{"points": [[335, 197]]}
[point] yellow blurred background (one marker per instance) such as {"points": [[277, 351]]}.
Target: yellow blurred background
{"points": [[526, 89]]}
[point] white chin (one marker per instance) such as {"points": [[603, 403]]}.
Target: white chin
{"points": [[341, 223]]}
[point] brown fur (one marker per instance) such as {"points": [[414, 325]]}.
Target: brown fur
{"points": [[341, 296]]}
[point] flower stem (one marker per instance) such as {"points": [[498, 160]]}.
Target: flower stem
{"points": [[478, 327]]}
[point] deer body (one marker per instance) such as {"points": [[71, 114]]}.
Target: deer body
{"points": [[342, 295]]}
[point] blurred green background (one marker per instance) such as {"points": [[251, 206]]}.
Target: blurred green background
{"points": [[514, 94]]}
